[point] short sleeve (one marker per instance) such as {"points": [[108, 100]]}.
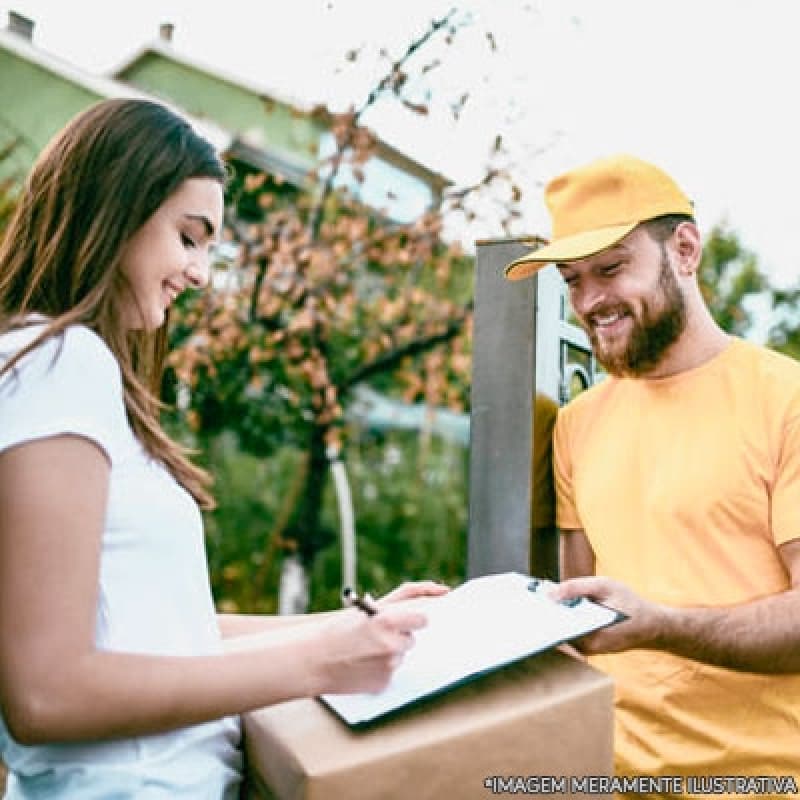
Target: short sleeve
{"points": [[785, 510], [566, 514], [67, 385]]}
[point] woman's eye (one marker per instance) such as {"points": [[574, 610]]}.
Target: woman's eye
{"points": [[187, 241]]}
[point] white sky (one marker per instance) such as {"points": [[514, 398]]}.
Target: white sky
{"points": [[707, 89]]}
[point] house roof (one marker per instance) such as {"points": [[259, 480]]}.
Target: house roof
{"points": [[102, 86], [168, 51], [223, 140]]}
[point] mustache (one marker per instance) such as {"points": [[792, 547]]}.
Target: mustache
{"points": [[590, 320]]}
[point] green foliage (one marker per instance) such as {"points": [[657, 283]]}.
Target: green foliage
{"points": [[409, 494], [409, 499], [728, 275], [784, 335], [243, 551]]}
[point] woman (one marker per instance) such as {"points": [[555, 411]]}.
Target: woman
{"points": [[117, 679]]}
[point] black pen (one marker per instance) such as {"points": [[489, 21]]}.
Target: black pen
{"points": [[365, 603]]}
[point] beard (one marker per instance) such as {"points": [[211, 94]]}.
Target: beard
{"points": [[655, 329]]}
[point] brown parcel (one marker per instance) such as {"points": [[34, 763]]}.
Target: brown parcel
{"points": [[549, 715]]}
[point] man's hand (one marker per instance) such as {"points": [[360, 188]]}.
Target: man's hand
{"points": [[759, 635], [643, 628]]}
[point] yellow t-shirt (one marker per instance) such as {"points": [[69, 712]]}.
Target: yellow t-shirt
{"points": [[684, 487]]}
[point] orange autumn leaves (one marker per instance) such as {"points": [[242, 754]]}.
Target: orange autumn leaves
{"points": [[305, 313]]}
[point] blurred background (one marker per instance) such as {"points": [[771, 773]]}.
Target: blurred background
{"points": [[325, 376]]}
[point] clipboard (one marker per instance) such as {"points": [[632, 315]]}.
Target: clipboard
{"points": [[481, 626]]}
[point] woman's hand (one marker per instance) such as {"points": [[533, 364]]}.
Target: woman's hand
{"points": [[360, 652], [412, 589]]}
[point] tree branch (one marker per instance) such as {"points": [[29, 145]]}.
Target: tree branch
{"points": [[391, 359], [315, 218]]}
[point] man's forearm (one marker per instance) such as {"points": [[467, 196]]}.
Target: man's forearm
{"points": [[759, 636], [762, 635]]}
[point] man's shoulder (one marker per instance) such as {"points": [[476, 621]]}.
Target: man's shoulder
{"points": [[587, 401], [770, 368], [580, 415]]}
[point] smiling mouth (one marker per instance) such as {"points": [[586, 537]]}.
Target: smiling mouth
{"points": [[608, 326], [600, 322], [172, 292]]}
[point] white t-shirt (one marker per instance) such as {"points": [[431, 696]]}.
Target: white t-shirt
{"points": [[154, 593]]}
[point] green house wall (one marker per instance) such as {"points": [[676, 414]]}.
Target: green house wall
{"points": [[239, 110], [34, 104]]}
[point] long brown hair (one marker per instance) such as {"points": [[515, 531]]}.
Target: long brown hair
{"points": [[94, 185]]}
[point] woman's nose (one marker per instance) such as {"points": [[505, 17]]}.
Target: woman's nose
{"points": [[198, 272]]}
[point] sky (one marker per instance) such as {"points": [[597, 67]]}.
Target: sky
{"points": [[706, 89]]}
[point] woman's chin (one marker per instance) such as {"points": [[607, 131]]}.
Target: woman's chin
{"points": [[147, 323]]}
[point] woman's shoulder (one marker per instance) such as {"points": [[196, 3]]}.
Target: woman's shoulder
{"points": [[76, 346], [83, 342], [70, 383], [71, 368]]}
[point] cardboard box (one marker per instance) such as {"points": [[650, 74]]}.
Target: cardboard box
{"points": [[547, 718]]}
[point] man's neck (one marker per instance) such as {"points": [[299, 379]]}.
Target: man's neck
{"points": [[701, 340]]}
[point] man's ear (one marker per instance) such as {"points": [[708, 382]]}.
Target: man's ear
{"points": [[688, 247]]}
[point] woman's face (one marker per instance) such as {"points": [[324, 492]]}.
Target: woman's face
{"points": [[171, 252]]}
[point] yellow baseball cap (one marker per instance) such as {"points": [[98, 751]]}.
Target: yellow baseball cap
{"points": [[595, 206]]}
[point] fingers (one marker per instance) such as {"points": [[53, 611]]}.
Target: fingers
{"points": [[395, 638], [400, 621], [412, 589], [402, 644], [593, 587], [425, 588], [398, 633]]}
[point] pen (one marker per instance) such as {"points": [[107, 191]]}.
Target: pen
{"points": [[365, 603]]}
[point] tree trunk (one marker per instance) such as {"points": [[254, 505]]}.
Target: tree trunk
{"points": [[306, 528]]}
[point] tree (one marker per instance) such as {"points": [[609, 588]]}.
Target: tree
{"points": [[327, 293], [784, 335], [729, 275]]}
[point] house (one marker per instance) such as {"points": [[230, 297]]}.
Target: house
{"points": [[257, 129], [40, 93], [280, 135]]}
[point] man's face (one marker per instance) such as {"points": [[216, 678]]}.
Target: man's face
{"points": [[628, 300]]}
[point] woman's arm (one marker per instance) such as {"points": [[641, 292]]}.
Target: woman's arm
{"points": [[235, 625], [55, 685]]}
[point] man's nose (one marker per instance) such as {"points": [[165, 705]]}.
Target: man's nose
{"points": [[588, 297]]}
